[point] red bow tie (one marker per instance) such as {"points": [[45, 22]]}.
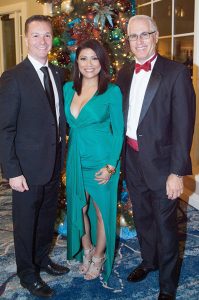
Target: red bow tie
{"points": [[146, 66]]}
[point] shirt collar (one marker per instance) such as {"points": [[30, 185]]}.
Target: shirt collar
{"points": [[137, 61], [36, 64]]}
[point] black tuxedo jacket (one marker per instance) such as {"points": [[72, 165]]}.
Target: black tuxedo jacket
{"points": [[166, 121], [27, 125]]}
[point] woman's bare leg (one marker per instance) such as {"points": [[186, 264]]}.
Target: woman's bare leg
{"points": [[98, 256], [86, 243], [86, 240], [101, 237]]}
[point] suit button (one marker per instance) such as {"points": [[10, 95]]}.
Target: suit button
{"points": [[139, 134]]}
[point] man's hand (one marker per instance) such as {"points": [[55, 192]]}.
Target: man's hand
{"points": [[18, 183], [174, 186]]}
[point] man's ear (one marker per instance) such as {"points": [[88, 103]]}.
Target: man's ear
{"points": [[156, 36], [26, 41]]}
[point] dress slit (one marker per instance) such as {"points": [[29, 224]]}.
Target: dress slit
{"points": [[110, 231]]}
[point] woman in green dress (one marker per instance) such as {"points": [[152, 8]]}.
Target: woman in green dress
{"points": [[93, 108]]}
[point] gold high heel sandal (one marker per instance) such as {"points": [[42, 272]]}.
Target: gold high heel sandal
{"points": [[95, 268], [87, 258]]}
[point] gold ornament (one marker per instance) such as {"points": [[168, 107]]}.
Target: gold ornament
{"points": [[63, 179], [67, 7], [123, 222]]}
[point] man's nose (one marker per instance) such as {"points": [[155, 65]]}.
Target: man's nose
{"points": [[42, 39], [139, 39]]}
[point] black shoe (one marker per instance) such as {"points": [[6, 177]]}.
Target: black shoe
{"points": [[139, 274], [165, 296], [55, 269], [38, 288]]}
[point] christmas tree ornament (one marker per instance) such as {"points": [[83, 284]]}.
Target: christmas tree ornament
{"points": [[90, 16], [123, 222], [63, 179], [67, 7], [84, 31], [116, 34], [59, 24], [123, 5], [56, 41], [71, 42], [72, 56], [62, 227], [126, 233], [102, 13], [73, 22], [124, 193]]}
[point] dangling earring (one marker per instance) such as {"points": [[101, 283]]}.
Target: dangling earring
{"points": [[79, 74]]}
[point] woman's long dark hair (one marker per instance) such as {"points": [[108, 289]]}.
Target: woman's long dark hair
{"points": [[104, 75]]}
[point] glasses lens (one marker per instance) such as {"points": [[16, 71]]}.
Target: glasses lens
{"points": [[144, 35], [133, 37]]}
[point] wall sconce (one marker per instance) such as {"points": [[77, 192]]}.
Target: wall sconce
{"points": [[179, 12]]}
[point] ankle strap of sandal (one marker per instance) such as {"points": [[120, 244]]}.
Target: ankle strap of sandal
{"points": [[90, 250], [98, 259]]}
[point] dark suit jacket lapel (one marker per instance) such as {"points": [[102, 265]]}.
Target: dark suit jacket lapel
{"points": [[37, 86], [151, 89], [33, 76]]}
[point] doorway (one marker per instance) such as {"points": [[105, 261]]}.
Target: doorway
{"points": [[11, 36]]}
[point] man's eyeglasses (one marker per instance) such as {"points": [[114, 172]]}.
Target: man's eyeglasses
{"points": [[142, 36]]}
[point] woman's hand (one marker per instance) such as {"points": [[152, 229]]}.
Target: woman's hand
{"points": [[102, 176]]}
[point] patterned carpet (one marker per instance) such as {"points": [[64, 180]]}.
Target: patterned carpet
{"points": [[72, 286]]}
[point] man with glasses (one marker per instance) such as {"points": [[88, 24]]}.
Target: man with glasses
{"points": [[159, 113]]}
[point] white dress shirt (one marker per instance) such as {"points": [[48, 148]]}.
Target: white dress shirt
{"points": [[137, 92]]}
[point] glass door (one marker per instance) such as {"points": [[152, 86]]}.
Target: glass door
{"points": [[11, 37]]}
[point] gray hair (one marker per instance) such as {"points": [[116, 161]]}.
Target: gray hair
{"points": [[153, 25]]}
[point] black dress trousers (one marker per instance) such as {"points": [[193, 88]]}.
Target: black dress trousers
{"points": [[34, 214], [155, 219]]}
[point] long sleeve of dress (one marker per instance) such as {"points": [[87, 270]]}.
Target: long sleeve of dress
{"points": [[117, 125]]}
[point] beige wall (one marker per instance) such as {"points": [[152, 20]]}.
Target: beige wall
{"points": [[32, 6]]}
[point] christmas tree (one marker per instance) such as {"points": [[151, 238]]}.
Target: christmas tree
{"points": [[78, 20]]}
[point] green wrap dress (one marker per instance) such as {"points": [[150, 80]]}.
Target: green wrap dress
{"points": [[95, 140]]}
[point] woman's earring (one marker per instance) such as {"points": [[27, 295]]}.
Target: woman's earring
{"points": [[79, 75]]}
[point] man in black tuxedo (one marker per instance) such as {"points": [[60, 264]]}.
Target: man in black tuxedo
{"points": [[32, 150], [159, 111]]}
